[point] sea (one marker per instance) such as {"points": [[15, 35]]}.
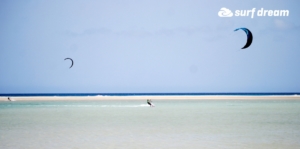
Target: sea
{"points": [[132, 124]]}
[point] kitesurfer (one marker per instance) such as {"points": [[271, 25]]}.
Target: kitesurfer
{"points": [[9, 99], [150, 102]]}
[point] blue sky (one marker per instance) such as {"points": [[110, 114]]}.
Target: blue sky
{"points": [[147, 46]]}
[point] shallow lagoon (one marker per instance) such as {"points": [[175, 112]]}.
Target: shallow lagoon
{"points": [[133, 124]]}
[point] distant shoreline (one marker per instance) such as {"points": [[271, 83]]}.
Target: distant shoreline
{"points": [[156, 97], [153, 94]]}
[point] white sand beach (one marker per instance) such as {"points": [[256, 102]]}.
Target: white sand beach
{"points": [[44, 98]]}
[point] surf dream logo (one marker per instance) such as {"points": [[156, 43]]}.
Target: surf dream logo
{"points": [[225, 12]]}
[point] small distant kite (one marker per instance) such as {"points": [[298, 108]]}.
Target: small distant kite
{"points": [[249, 37], [71, 61]]}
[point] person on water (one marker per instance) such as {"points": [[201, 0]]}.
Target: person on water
{"points": [[149, 102]]}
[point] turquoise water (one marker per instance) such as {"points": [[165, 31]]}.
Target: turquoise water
{"points": [[133, 124]]}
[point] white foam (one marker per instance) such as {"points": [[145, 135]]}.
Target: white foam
{"points": [[125, 106]]}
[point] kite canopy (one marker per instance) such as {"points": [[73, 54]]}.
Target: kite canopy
{"points": [[249, 37], [71, 61]]}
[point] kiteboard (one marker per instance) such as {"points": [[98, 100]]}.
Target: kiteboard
{"points": [[152, 105]]}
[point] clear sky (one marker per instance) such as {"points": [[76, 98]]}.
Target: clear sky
{"points": [[147, 46]]}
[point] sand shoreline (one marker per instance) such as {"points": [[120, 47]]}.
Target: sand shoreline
{"points": [[203, 97]]}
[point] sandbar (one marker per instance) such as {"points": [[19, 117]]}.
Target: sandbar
{"points": [[203, 97]]}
